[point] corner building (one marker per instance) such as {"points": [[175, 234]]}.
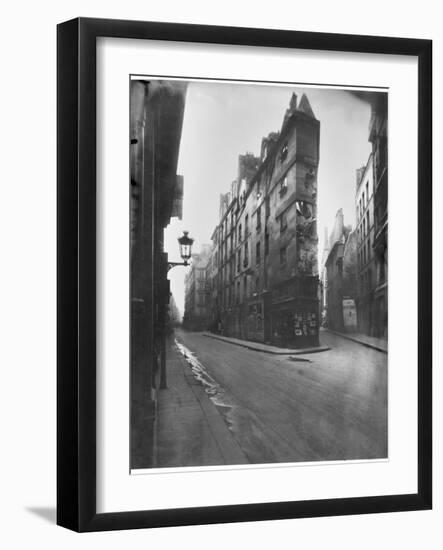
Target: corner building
{"points": [[265, 281]]}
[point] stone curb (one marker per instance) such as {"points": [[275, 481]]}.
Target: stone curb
{"points": [[276, 351], [357, 341]]}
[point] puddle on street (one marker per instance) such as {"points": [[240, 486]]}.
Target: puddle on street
{"points": [[215, 392], [253, 436]]}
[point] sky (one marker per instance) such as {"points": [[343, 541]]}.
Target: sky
{"points": [[223, 120]]}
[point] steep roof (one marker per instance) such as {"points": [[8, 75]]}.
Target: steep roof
{"points": [[305, 107]]}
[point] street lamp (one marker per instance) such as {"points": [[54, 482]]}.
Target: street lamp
{"points": [[185, 243]]}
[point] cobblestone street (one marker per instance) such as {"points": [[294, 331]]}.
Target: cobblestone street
{"points": [[330, 405]]}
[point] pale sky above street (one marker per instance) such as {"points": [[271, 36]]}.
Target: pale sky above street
{"points": [[223, 120]]}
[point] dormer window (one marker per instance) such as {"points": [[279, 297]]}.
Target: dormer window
{"points": [[284, 152]]}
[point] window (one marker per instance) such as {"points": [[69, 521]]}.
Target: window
{"points": [[284, 152], [382, 268], [239, 234], [246, 225], [367, 220], [257, 253], [238, 260], [258, 218], [283, 255], [245, 286], [283, 222], [304, 209], [246, 257], [284, 185], [266, 243], [367, 189], [267, 207], [238, 292], [257, 284]]}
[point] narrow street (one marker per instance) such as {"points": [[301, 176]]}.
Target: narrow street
{"points": [[321, 406]]}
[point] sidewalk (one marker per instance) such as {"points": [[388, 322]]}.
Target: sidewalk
{"points": [[189, 429], [379, 344], [265, 348]]}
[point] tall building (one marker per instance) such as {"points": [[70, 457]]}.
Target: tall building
{"points": [[197, 307], [341, 274], [266, 272], [156, 192], [378, 136], [364, 199], [372, 226]]}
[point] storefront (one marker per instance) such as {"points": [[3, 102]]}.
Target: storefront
{"points": [[295, 313]]}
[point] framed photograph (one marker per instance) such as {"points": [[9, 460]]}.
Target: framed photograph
{"points": [[244, 274]]}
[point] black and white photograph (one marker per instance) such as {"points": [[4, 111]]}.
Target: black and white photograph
{"points": [[258, 273]]}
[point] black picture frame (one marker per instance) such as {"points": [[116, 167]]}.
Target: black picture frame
{"points": [[76, 266]]}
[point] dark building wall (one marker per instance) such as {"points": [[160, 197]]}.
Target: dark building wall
{"points": [[378, 136], [155, 130]]}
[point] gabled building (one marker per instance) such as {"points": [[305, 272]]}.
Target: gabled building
{"points": [[266, 238]]}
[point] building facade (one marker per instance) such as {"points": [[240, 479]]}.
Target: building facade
{"points": [[197, 306], [341, 273], [372, 226], [378, 136], [265, 277], [364, 199], [156, 117]]}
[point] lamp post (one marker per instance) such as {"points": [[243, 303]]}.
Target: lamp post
{"points": [[185, 243]]}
